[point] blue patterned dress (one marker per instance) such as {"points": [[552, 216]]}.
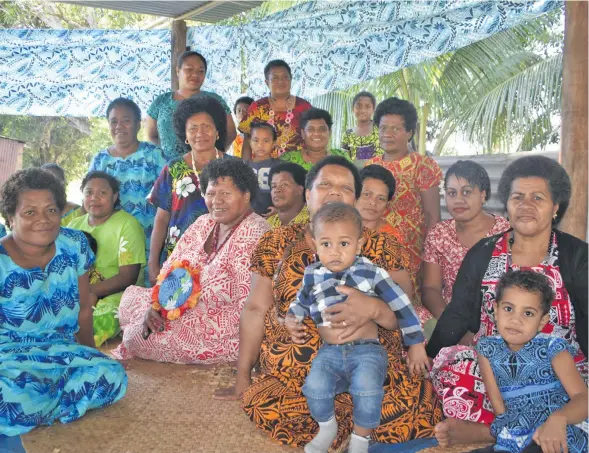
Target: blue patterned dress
{"points": [[2, 231], [44, 374], [136, 174], [530, 390]]}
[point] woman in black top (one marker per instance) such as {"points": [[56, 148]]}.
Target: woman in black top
{"points": [[535, 191]]}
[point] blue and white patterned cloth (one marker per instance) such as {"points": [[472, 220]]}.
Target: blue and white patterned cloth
{"points": [[136, 174], [530, 390], [330, 45], [2, 231], [318, 292], [45, 374]]}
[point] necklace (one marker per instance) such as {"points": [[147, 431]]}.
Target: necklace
{"points": [[545, 261], [196, 172], [283, 137], [215, 246]]}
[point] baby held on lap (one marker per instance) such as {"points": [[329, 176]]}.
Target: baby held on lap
{"points": [[357, 363]]}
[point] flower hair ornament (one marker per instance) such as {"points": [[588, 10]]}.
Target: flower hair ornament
{"points": [[176, 291]]}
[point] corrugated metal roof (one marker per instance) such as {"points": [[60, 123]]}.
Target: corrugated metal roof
{"points": [[11, 152], [213, 11]]}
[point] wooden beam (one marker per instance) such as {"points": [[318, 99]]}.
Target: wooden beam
{"points": [[574, 130], [178, 46]]}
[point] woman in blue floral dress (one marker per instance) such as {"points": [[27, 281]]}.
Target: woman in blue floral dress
{"points": [[49, 369], [200, 124]]}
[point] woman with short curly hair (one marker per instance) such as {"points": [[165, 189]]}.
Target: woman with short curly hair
{"points": [[535, 191], [50, 369], [201, 127], [218, 246]]}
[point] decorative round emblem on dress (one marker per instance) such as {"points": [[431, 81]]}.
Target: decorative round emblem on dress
{"points": [[176, 291]]}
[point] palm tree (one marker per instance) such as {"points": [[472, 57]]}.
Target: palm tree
{"points": [[499, 92]]}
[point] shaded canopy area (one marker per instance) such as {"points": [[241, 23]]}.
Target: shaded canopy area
{"points": [[330, 45]]}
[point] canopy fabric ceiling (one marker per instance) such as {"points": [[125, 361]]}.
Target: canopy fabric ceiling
{"points": [[329, 45]]}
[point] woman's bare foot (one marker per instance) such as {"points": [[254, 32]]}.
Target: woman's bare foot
{"points": [[452, 432]]}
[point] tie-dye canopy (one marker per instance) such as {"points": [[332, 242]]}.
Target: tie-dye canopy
{"points": [[329, 44]]}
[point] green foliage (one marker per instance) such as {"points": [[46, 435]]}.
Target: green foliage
{"points": [[501, 93], [69, 142]]}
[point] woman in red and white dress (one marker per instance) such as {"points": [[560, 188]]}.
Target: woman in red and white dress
{"points": [[219, 245]]}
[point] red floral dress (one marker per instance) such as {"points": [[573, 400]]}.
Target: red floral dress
{"points": [[443, 247], [456, 375], [287, 124]]}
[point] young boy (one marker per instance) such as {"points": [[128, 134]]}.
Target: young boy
{"points": [[359, 363], [262, 139]]}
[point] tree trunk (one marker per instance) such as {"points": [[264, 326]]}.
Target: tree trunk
{"points": [[178, 46], [574, 115], [423, 128]]}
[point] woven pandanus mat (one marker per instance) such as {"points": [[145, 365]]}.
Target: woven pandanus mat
{"points": [[167, 409]]}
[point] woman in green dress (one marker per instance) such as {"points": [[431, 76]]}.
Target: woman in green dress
{"points": [[316, 132], [121, 250]]}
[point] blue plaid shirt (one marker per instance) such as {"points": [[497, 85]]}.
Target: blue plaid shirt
{"points": [[319, 292]]}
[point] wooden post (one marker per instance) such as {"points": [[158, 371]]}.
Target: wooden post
{"points": [[178, 46], [574, 142]]}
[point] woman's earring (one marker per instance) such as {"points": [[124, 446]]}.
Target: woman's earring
{"points": [[217, 136], [186, 141]]}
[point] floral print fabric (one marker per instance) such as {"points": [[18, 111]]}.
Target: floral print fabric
{"points": [[287, 127]]}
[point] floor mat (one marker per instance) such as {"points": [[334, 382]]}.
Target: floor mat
{"points": [[168, 408]]}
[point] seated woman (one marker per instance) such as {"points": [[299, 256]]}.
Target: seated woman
{"points": [[316, 133], [287, 189], [275, 402], [378, 188], [467, 188], [134, 164], [121, 249], [71, 210], [362, 141], [535, 191], [219, 245], [201, 125], [50, 369]]}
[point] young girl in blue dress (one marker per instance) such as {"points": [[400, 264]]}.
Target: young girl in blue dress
{"points": [[537, 394]]}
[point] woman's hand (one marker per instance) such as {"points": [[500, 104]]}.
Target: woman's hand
{"points": [[153, 269], [298, 331], [152, 322], [351, 314], [233, 393], [417, 360], [552, 435]]}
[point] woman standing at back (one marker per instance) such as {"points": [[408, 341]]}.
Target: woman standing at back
{"points": [[192, 71]]}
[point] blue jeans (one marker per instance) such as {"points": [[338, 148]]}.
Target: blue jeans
{"points": [[358, 367]]}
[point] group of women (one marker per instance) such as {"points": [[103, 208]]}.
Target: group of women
{"points": [[186, 210]]}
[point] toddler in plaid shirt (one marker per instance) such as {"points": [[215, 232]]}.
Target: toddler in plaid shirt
{"points": [[359, 364]]}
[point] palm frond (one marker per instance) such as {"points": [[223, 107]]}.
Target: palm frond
{"points": [[514, 103]]}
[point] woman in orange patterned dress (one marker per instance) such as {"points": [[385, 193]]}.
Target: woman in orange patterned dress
{"points": [[415, 207], [378, 188], [274, 401], [281, 109]]}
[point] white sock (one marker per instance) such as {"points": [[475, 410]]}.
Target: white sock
{"points": [[324, 438], [358, 444]]}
